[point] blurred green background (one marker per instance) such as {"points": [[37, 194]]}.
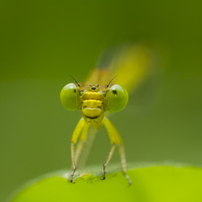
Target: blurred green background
{"points": [[41, 42]]}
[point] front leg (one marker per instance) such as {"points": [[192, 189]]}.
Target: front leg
{"points": [[74, 166], [107, 160], [80, 131], [115, 139]]}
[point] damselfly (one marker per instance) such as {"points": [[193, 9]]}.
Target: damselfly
{"points": [[105, 91]]}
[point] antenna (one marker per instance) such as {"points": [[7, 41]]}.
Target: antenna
{"points": [[74, 80], [111, 80]]}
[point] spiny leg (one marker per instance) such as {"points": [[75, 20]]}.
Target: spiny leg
{"points": [[115, 139], [123, 163], [79, 131], [107, 160], [74, 167]]}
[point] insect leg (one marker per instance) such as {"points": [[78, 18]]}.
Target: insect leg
{"points": [[123, 163], [75, 154], [107, 160], [115, 139]]}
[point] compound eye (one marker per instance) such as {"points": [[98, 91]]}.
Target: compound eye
{"points": [[117, 98], [69, 96]]}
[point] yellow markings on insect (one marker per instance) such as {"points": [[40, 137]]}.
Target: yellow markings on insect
{"points": [[114, 135], [92, 104], [78, 130], [103, 93], [136, 61]]}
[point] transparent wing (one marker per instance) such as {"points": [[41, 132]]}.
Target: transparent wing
{"points": [[88, 145]]}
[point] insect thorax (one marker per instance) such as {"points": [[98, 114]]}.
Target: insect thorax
{"points": [[92, 103]]}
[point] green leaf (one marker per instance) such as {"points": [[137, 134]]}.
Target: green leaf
{"points": [[150, 184]]}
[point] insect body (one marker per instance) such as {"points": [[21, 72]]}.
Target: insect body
{"points": [[101, 95]]}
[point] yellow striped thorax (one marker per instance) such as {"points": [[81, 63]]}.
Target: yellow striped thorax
{"points": [[92, 102]]}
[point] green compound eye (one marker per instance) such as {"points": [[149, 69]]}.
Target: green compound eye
{"points": [[69, 96], [117, 98]]}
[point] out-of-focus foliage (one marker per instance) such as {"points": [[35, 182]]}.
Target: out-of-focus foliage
{"points": [[42, 42]]}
